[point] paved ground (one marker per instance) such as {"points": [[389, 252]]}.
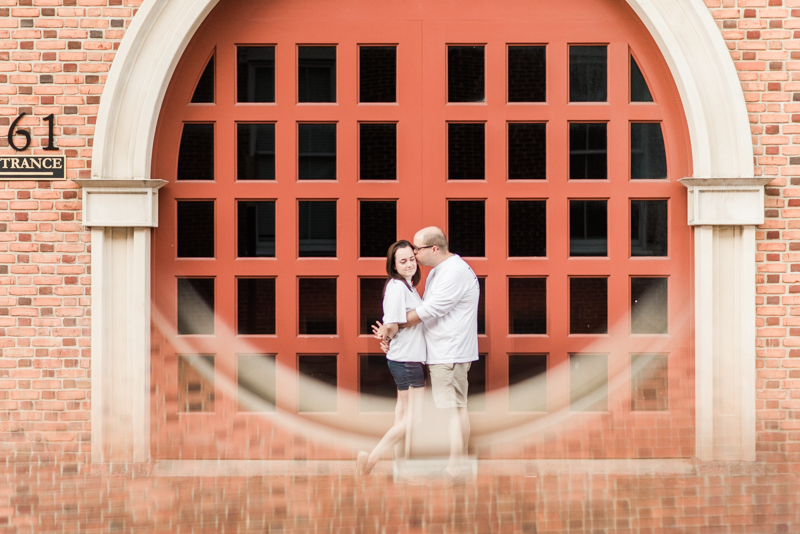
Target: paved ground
{"points": [[703, 498]]}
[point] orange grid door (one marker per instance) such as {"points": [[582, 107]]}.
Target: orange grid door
{"points": [[424, 195]]}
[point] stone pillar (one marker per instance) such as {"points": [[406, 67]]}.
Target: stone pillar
{"points": [[725, 213], [121, 214]]}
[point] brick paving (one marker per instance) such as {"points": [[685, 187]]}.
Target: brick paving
{"points": [[714, 498]]}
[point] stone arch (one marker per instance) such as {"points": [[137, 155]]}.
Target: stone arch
{"points": [[722, 162]]}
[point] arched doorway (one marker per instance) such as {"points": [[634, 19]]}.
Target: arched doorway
{"points": [[528, 136]]}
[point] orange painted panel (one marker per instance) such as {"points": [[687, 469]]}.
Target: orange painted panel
{"points": [[421, 31]]}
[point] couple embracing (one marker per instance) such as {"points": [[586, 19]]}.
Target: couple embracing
{"points": [[439, 330]]}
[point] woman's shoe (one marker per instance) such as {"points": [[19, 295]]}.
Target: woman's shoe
{"points": [[361, 464]]}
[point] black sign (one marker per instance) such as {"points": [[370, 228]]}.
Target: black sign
{"points": [[33, 167]]}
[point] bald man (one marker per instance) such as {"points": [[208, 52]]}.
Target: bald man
{"points": [[449, 314]]}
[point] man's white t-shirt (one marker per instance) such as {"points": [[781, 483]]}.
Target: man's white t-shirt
{"points": [[449, 312], [409, 343]]}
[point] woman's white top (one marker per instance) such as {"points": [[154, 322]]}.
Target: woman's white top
{"points": [[409, 343]]}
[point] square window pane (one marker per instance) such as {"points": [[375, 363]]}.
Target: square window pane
{"points": [[376, 385], [195, 228], [527, 382], [196, 306], [588, 382], [588, 73], [317, 306], [256, 381], [377, 151], [649, 382], [317, 228], [316, 149], [588, 151], [255, 228], [648, 155], [195, 383], [204, 90], [649, 305], [377, 74], [476, 376], [527, 228], [527, 151], [467, 228], [316, 73], [482, 306], [588, 228], [466, 147], [639, 90], [255, 74], [196, 153], [465, 74], [255, 306], [648, 227], [371, 303], [527, 74], [527, 305], [588, 305], [377, 228], [255, 151], [318, 383]]}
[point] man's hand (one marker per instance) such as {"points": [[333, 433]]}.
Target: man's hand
{"points": [[385, 346]]}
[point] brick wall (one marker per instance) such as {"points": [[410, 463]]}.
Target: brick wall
{"points": [[764, 40], [54, 56]]}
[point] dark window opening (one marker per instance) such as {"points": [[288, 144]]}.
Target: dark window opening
{"points": [[195, 228], [377, 151], [588, 228], [527, 151], [527, 305], [588, 305], [317, 306], [639, 90], [196, 153], [377, 228], [648, 227], [255, 306], [255, 74], [316, 72], [648, 155], [588, 74], [255, 151], [317, 228], [527, 74], [467, 227], [465, 74], [316, 151], [371, 303], [377, 74], [256, 229], [376, 385], [204, 91], [195, 306], [588, 151], [466, 151], [527, 228]]}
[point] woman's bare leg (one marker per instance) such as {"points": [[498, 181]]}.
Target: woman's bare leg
{"points": [[394, 435]]}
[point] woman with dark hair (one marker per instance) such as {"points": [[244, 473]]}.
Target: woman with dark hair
{"points": [[406, 354]]}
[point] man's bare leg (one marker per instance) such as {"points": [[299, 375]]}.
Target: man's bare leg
{"points": [[457, 442]]}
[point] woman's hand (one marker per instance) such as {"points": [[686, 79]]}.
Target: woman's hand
{"points": [[379, 331]]}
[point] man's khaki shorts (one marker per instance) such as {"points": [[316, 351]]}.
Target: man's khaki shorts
{"points": [[449, 382]]}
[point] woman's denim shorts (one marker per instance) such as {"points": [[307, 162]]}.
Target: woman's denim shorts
{"points": [[407, 374]]}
